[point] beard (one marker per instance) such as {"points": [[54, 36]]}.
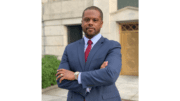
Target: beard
{"points": [[90, 33]]}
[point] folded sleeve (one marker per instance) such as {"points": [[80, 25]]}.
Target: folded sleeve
{"points": [[66, 84]]}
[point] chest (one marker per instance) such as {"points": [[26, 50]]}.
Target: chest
{"points": [[94, 61]]}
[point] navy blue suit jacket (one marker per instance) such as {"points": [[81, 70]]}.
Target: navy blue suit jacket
{"points": [[102, 81]]}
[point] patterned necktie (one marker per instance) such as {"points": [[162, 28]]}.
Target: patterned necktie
{"points": [[88, 49]]}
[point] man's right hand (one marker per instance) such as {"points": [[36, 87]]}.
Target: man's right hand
{"points": [[105, 63]]}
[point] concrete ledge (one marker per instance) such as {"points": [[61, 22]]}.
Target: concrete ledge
{"points": [[128, 100], [49, 88]]}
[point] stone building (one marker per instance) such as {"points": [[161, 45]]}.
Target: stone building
{"points": [[61, 25]]}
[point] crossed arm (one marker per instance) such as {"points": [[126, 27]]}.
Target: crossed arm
{"points": [[105, 76], [69, 75], [69, 82]]}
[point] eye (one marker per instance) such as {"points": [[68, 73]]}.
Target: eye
{"points": [[86, 19], [95, 20]]}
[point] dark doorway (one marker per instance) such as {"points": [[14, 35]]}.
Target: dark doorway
{"points": [[74, 33]]}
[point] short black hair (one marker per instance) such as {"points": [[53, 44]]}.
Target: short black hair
{"points": [[94, 8]]}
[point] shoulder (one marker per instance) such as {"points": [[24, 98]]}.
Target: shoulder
{"points": [[111, 42], [73, 45]]}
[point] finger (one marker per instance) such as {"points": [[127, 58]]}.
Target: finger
{"points": [[61, 69], [60, 72], [58, 77], [57, 73], [106, 63], [61, 79]]}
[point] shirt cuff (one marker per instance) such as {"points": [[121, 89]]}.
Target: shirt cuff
{"points": [[79, 78], [79, 82], [88, 90]]}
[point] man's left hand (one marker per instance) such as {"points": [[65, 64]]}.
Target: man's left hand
{"points": [[65, 74]]}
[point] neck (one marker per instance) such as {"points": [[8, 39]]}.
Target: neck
{"points": [[90, 36]]}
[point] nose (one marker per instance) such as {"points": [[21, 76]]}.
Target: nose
{"points": [[91, 22]]}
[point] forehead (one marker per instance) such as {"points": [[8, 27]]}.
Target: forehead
{"points": [[91, 14]]}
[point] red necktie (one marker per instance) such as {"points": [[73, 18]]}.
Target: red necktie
{"points": [[88, 49]]}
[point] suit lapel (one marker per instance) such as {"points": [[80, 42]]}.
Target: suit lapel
{"points": [[96, 47], [81, 53]]}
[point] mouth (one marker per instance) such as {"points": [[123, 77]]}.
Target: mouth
{"points": [[89, 28]]}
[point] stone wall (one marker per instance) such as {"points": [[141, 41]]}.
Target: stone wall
{"points": [[107, 6], [56, 15]]}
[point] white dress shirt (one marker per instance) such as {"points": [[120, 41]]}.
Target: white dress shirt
{"points": [[94, 40]]}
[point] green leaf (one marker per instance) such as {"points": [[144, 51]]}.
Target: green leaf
{"points": [[50, 64]]}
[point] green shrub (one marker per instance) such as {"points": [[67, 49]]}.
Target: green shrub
{"points": [[50, 65]]}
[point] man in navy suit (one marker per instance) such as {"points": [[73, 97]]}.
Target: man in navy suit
{"points": [[84, 70]]}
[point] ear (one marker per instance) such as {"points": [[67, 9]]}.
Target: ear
{"points": [[101, 23], [81, 23]]}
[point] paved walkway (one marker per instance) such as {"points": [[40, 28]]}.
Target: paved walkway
{"points": [[127, 86]]}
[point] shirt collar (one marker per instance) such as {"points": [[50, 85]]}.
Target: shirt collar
{"points": [[94, 39]]}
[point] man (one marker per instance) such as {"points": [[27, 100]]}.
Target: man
{"points": [[84, 70]]}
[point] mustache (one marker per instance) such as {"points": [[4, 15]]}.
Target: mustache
{"points": [[90, 28]]}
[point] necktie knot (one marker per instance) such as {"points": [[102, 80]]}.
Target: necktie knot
{"points": [[90, 42]]}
